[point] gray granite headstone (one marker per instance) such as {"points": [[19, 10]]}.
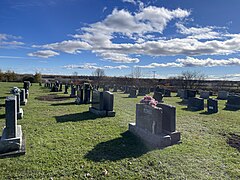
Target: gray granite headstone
{"points": [[11, 116], [169, 117], [108, 99], [97, 100], [223, 95], [23, 100], [204, 94], [149, 118], [158, 96]]}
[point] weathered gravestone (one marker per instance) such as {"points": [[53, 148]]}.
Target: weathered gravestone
{"points": [[142, 91], [79, 99], [102, 103], [180, 92], [11, 141], [133, 93], [195, 104], [127, 90], [87, 88], [167, 93], [66, 89], [23, 100], [187, 93], [16, 92], [60, 87], [156, 126], [73, 91], [106, 88], [26, 86], [212, 106], [204, 94], [158, 96], [223, 95], [233, 102]]}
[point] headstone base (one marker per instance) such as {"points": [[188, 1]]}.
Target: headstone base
{"points": [[23, 102], [103, 113], [12, 146], [154, 140], [20, 114]]}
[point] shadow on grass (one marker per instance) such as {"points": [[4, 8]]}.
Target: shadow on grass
{"points": [[76, 117], [130, 97], [206, 113], [2, 105], [4, 97], [231, 109], [2, 116], [64, 104], [184, 103], [123, 147]]}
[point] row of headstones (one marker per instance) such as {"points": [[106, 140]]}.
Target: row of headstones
{"points": [[194, 103], [54, 87], [11, 141]]}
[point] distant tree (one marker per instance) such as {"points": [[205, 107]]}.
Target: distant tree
{"points": [[28, 78], [37, 77], [191, 79], [10, 76], [1, 75], [99, 74]]}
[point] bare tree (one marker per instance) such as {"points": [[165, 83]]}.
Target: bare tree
{"points": [[191, 79], [99, 74]]}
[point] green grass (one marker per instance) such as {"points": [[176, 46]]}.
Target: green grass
{"points": [[65, 141]]}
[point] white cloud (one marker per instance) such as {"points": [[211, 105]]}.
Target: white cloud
{"points": [[130, 1], [7, 40], [94, 66], [70, 46], [199, 32], [194, 62], [44, 54]]}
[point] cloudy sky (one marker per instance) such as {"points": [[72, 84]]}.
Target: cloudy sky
{"points": [[162, 36]]}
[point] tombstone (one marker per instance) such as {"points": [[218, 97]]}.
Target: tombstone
{"points": [[102, 103], [79, 99], [195, 104], [26, 85], [19, 109], [54, 88], [223, 95], [187, 93], [73, 92], [155, 127], [11, 141], [23, 100], [127, 90], [106, 88], [167, 93], [87, 92], [115, 89], [204, 94], [233, 102], [158, 96], [180, 92], [133, 93], [66, 89], [142, 91], [212, 106], [60, 87], [159, 89]]}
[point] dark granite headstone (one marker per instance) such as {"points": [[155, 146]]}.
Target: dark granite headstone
{"points": [[108, 99], [223, 95], [133, 93], [158, 96], [212, 105], [233, 102], [195, 104], [167, 93], [204, 94]]}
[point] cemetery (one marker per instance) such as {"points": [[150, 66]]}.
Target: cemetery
{"points": [[107, 134]]}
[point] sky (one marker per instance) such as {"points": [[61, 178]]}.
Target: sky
{"points": [[161, 37]]}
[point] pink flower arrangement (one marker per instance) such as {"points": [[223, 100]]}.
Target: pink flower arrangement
{"points": [[149, 100]]}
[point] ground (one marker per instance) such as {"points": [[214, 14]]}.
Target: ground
{"points": [[65, 141]]}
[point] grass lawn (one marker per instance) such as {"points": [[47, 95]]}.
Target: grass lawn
{"points": [[65, 141]]}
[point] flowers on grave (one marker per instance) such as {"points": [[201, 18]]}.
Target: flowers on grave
{"points": [[15, 91], [149, 100]]}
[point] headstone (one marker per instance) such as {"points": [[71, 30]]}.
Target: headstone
{"points": [[195, 104], [142, 91], [187, 93], [233, 102], [66, 89], [23, 100], [60, 87], [223, 95], [102, 103], [73, 91], [204, 94], [151, 126], [106, 88], [11, 141], [87, 92], [212, 106], [19, 109], [180, 92], [133, 93], [127, 90], [115, 89], [158, 96], [26, 85], [167, 93]]}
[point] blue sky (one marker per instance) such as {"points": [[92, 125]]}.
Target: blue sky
{"points": [[166, 36]]}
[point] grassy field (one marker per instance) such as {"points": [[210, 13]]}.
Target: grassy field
{"points": [[65, 141]]}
